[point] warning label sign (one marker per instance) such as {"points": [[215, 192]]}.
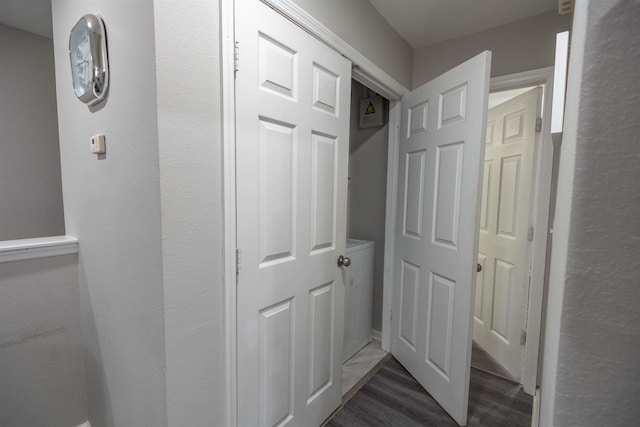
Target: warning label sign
{"points": [[370, 109]]}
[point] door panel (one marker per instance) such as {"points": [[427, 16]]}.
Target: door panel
{"points": [[276, 368], [441, 151], [292, 128], [414, 184], [504, 246]]}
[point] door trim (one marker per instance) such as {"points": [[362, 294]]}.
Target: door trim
{"points": [[540, 218], [227, 59], [364, 71], [393, 163]]}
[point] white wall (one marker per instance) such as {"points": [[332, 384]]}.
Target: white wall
{"points": [[30, 188], [520, 46], [591, 375], [358, 23], [112, 206], [42, 380], [188, 91], [368, 190], [151, 236]]}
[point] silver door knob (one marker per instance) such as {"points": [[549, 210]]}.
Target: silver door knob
{"points": [[478, 268], [343, 260]]}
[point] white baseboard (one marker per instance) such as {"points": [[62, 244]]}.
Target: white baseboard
{"points": [[535, 414], [376, 335]]}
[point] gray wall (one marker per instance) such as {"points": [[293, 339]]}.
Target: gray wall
{"points": [[591, 375], [520, 46], [190, 150], [42, 380], [112, 206], [151, 237], [368, 190], [30, 188], [358, 23]]}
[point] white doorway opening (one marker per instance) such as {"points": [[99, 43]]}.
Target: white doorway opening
{"points": [[508, 308]]}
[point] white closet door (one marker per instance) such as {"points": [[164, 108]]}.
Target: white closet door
{"points": [[292, 147]]}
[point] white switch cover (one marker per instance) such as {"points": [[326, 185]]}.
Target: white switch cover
{"points": [[97, 144]]}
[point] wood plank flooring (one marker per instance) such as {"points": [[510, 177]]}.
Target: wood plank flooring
{"points": [[482, 360], [394, 398]]}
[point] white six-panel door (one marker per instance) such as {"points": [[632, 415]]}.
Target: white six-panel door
{"points": [[292, 124], [507, 194], [441, 152]]}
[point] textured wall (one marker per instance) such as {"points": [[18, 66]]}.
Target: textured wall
{"points": [[42, 380], [30, 188], [358, 23], [112, 205], [188, 90], [368, 191], [593, 329], [520, 46]]}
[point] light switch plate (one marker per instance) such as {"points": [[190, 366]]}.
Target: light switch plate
{"points": [[98, 145]]}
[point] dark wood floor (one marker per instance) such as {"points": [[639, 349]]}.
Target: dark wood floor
{"points": [[482, 360], [393, 398]]}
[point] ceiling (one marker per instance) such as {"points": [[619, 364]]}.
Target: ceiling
{"points": [[33, 16], [425, 22], [420, 22]]}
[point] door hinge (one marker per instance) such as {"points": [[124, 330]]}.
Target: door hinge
{"points": [[538, 124], [523, 337], [236, 57], [530, 234], [238, 261]]}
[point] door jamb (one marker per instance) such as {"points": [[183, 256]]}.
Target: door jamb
{"points": [[228, 106], [390, 220], [539, 219], [364, 71]]}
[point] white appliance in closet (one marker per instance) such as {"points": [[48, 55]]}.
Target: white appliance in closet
{"points": [[358, 301]]}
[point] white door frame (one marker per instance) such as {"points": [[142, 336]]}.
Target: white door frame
{"points": [[228, 105], [369, 74]]}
